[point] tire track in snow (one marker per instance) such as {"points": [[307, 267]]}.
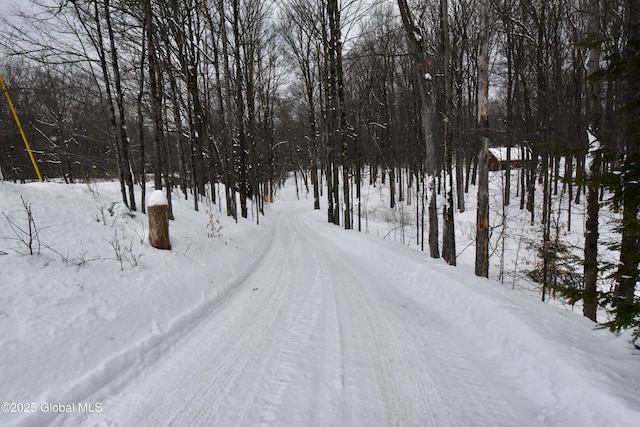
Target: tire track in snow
{"points": [[122, 369], [324, 340], [258, 353], [218, 374], [388, 374], [302, 386], [424, 378], [220, 347], [287, 364], [329, 390]]}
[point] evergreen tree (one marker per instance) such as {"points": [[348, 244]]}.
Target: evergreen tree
{"points": [[624, 181]]}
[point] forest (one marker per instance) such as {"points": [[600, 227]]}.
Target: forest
{"points": [[224, 99]]}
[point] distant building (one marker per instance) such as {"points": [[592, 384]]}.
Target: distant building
{"points": [[497, 159]]}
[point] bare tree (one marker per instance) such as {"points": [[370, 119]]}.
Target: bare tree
{"points": [[448, 232], [593, 205], [300, 34], [123, 141], [482, 219], [424, 62]]}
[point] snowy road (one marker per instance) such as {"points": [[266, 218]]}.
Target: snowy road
{"points": [[318, 335]]}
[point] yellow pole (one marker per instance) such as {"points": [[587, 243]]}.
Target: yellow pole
{"points": [[24, 137]]}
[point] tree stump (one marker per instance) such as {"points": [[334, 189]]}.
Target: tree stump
{"points": [[158, 212]]}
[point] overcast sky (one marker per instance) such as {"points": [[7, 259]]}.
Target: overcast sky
{"points": [[7, 4]]}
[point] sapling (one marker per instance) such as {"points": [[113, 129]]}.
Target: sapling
{"points": [[28, 237], [213, 226], [123, 249]]}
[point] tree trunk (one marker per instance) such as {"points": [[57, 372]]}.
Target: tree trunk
{"points": [[99, 44], [124, 137], [143, 173], [482, 218], [156, 98], [242, 137], [425, 84], [448, 232], [460, 178], [593, 206], [547, 250], [159, 227], [628, 275], [392, 188], [230, 192]]}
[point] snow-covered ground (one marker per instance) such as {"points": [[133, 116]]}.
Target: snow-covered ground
{"points": [[514, 240], [292, 322]]}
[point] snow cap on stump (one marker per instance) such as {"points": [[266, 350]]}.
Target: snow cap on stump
{"points": [[158, 209], [157, 198]]}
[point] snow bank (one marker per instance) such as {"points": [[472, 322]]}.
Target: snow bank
{"points": [[575, 374], [97, 306]]}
